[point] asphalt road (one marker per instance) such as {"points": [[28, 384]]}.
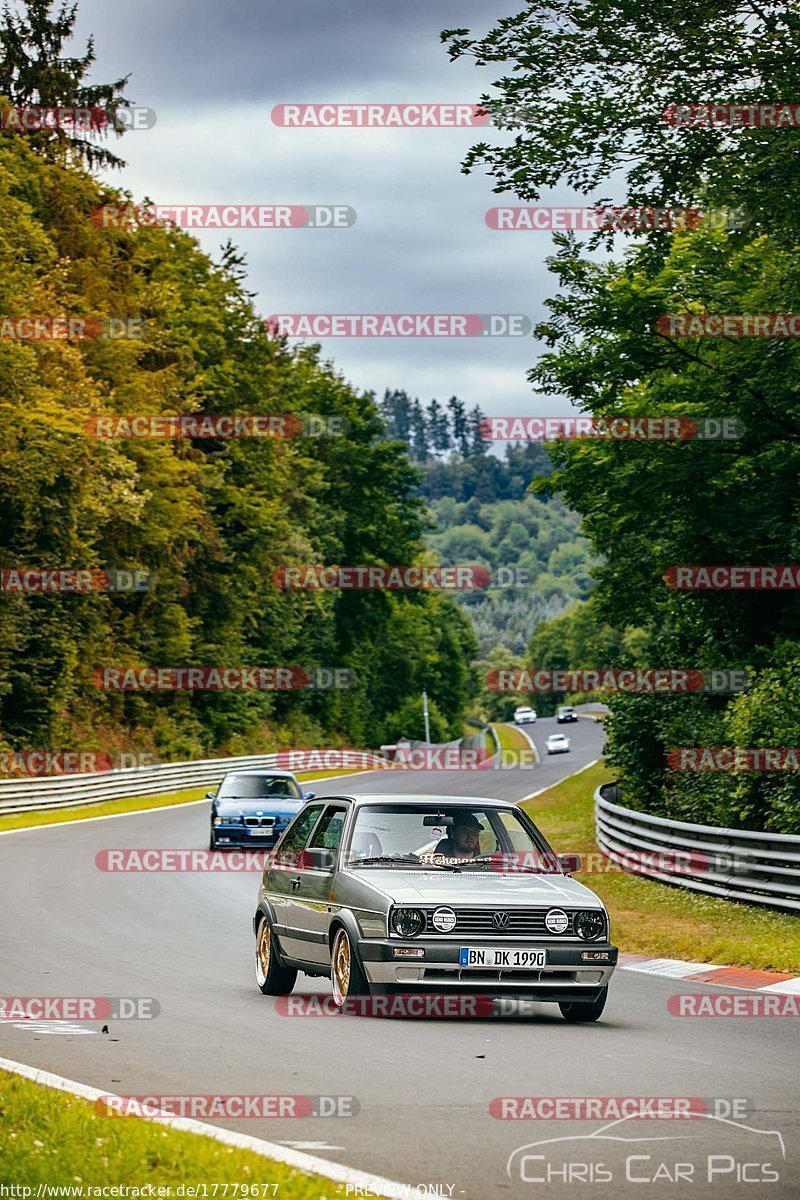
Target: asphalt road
{"points": [[424, 1086]]}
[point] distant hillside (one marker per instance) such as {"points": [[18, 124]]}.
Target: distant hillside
{"points": [[483, 513]]}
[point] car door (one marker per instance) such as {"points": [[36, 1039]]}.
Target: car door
{"points": [[310, 888], [280, 876]]}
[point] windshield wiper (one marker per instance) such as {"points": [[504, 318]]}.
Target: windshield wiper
{"points": [[403, 858]]}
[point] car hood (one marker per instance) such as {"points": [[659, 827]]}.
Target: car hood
{"points": [[437, 887], [269, 806]]}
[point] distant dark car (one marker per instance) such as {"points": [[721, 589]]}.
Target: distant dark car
{"points": [[566, 714], [251, 809]]}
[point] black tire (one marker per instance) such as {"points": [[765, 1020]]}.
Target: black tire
{"points": [[584, 1010], [212, 845], [272, 977], [347, 976]]}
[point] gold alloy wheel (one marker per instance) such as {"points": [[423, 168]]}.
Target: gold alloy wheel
{"points": [[263, 951], [341, 966]]}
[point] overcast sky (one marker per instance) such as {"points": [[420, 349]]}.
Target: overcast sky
{"points": [[213, 73]]}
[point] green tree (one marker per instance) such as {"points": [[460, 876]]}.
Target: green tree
{"points": [[606, 71], [36, 71]]}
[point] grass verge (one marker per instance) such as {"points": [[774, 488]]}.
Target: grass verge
{"points": [[511, 738], [51, 1137], [653, 918], [29, 820]]}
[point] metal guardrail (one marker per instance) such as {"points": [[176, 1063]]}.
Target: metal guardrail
{"points": [[737, 864], [67, 791]]}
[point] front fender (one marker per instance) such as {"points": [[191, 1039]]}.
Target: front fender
{"points": [[346, 918]]}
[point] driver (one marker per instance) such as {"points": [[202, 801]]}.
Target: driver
{"points": [[464, 838]]}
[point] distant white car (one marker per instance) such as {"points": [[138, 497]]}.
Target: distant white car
{"points": [[524, 715], [557, 743]]}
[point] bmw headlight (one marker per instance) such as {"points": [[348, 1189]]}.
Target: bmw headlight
{"points": [[218, 821], [407, 922], [590, 925]]}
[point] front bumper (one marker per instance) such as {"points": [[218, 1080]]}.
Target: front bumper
{"points": [[567, 976], [244, 841]]}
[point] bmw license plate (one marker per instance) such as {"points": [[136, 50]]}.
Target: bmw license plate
{"points": [[501, 956], [265, 832]]}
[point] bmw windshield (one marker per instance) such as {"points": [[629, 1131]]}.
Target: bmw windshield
{"points": [[480, 838], [258, 787]]}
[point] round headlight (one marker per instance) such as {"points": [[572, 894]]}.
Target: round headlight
{"points": [[590, 925], [444, 919], [407, 922], [218, 821], [556, 920]]}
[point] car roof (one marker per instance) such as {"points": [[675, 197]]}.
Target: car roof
{"points": [[273, 771], [421, 799]]}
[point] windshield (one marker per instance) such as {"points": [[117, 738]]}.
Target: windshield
{"points": [[481, 838], [258, 787]]}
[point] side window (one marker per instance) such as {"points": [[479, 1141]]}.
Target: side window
{"points": [[328, 833], [516, 835], [297, 834]]}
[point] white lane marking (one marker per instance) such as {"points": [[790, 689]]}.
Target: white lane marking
{"points": [[50, 1027], [673, 968], [311, 1146], [137, 812], [243, 1141], [580, 771], [528, 738]]}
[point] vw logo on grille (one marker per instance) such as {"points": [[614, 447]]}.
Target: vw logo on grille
{"points": [[500, 920]]}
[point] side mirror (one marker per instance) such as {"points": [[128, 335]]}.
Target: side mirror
{"points": [[570, 863], [319, 858], [309, 795], [210, 795]]}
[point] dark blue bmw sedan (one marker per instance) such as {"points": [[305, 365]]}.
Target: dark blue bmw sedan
{"points": [[251, 809]]}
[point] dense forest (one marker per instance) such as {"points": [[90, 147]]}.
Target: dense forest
{"points": [[208, 519], [648, 507], [482, 511]]}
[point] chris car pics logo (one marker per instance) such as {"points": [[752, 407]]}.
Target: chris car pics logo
{"points": [[707, 1150]]}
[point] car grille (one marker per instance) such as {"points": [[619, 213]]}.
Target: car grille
{"points": [[257, 822], [522, 922]]}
